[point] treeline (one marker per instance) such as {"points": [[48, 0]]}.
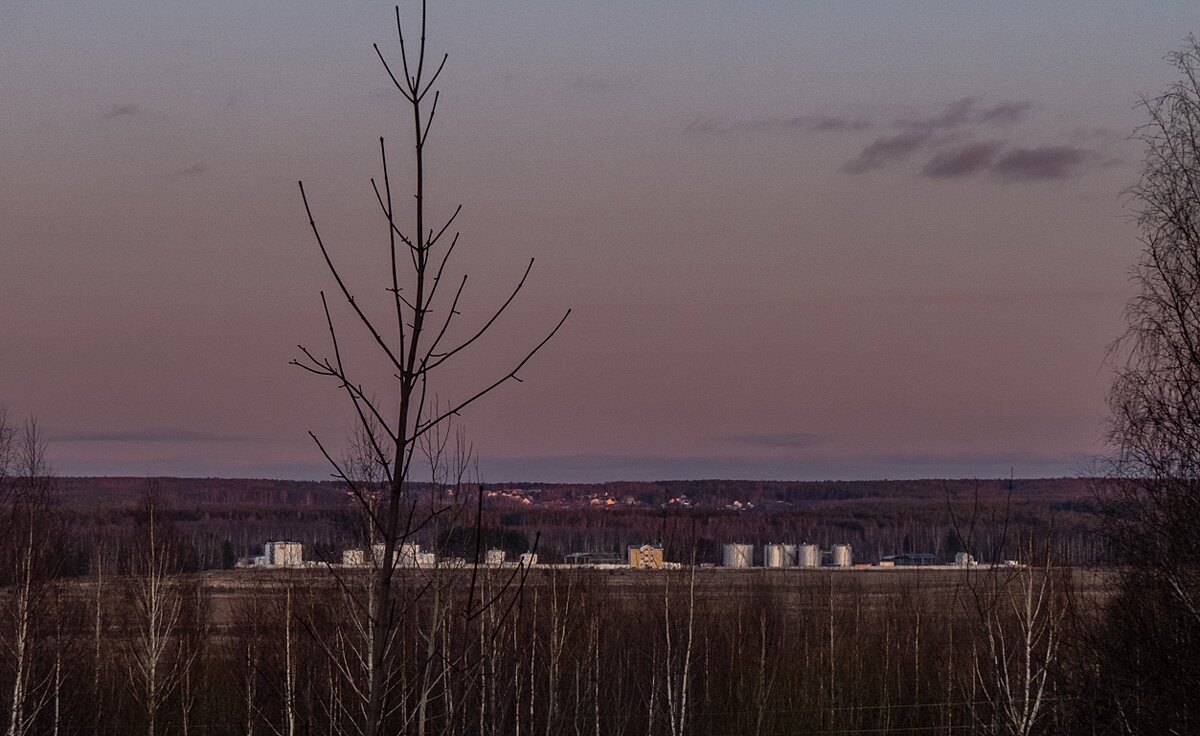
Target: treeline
{"points": [[226, 519]]}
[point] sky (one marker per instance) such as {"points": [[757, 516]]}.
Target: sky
{"points": [[799, 240]]}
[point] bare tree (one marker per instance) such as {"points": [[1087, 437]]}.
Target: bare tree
{"points": [[1019, 614], [28, 570], [416, 335], [163, 608], [1155, 424]]}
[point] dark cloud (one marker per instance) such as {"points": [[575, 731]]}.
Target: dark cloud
{"points": [[887, 149], [193, 170], [155, 435], [822, 124], [799, 123], [120, 111], [966, 111], [949, 122], [1035, 164], [1005, 113], [947, 133], [956, 113], [961, 161]]}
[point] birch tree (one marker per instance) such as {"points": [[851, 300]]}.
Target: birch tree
{"points": [[1154, 484], [1020, 616], [28, 571], [161, 602]]}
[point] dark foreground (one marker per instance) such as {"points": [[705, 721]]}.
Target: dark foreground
{"points": [[554, 652]]}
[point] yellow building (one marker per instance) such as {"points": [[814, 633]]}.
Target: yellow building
{"points": [[646, 557]]}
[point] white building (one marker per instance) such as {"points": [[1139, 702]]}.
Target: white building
{"points": [[494, 558], [283, 554], [353, 558]]}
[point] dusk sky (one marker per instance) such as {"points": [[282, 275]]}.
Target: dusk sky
{"points": [[800, 240]]}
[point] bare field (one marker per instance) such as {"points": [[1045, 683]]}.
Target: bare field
{"points": [[796, 588]]}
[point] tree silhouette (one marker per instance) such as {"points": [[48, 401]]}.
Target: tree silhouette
{"points": [[414, 339]]}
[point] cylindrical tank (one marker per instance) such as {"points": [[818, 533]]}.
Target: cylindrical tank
{"points": [[808, 556], [842, 556], [739, 555], [789, 554], [776, 555]]}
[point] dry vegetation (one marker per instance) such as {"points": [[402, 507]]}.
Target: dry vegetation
{"points": [[577, 651]]}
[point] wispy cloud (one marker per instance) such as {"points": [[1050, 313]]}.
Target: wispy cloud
{"points": [[148, 435], [796, 123], [887, 149], [948, 139], [1034, 164], [123, 110], [961, 161], [967, 111], [1006, 113], [956, 113], [193, 170]]}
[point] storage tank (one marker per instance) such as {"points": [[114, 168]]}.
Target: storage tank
{"points": [[808, 556], [789, 554], [842, 556], [739, 555], [776, 555]]}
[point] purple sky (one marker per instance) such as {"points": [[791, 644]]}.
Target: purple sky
{"points": [[800, 240]]}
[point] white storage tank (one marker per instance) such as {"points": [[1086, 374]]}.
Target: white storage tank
{"points": [[776, 555], [739, 555], [808, 556], [842, 556], [405, 554]]}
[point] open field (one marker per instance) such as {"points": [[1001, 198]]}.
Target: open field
{"points": [[866, 588]]}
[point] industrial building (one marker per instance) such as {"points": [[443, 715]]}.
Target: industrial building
{"points": [[645, 557], [908, 560], [283, 554]]}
